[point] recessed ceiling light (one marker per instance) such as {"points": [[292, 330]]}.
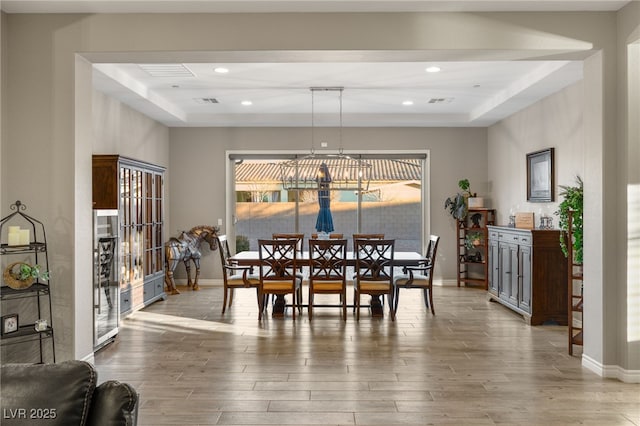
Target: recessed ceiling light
{"points": [[433, 69], [246, 103], [221, 70], [407, 102]]}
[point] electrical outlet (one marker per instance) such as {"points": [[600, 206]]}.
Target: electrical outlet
{"points": [[219, 222]]}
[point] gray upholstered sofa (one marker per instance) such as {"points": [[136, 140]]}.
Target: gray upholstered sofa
{"points": [[64, 394]]}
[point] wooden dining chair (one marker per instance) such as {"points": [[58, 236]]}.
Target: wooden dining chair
{"points": [[419, 276], [278, 265], [234, 276], [331, 236], [299, 237], [374, 271], [327, 271], [366, 237], [362, 237], [291, 236]]}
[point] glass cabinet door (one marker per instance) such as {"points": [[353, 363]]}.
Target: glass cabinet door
{"points": [[106, 295], [132, 245], [126, 233], [137, 243], [158, 223], [153, 224], [148, 224]]}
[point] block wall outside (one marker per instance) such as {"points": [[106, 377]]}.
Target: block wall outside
{"points": [[399, 221]]}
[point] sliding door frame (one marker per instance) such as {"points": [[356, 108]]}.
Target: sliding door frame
{"points": [[232, 155]]}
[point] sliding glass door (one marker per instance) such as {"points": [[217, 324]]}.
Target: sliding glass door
{"points": [[392, 204]]}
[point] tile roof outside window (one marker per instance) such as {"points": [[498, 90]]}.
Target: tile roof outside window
{"points": [[381, 171]]}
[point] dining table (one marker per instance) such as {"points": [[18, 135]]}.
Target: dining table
{"points": [[400, 259]]}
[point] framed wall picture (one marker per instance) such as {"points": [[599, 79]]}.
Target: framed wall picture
{"points": [[9, 324], [540, 173]]}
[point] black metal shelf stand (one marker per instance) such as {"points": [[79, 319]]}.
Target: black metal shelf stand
{"points": [[39, 290]]}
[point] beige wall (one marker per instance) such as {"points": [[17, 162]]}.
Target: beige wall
{"points": [[43, 122], [554, 122], [3, 39], [118, 129], [454, 154]]}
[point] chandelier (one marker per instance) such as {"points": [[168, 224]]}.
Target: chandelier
{"points": [[326, 171]]}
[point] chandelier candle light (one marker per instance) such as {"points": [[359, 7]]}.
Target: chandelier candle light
{"points": [[348, 173]]}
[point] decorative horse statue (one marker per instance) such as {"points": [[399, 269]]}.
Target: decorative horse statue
{"points": [[186, 248]]}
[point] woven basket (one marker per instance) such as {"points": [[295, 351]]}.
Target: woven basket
{"points": [[10, 279]]}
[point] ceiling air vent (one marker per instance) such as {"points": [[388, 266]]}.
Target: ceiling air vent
{"points": [[166, 70], [206, 101], [440, 100]]}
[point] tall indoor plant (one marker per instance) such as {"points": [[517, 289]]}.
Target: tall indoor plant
{"points": [[457, 204], [572, 202]]}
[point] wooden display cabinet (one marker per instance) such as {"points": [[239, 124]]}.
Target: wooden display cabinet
{"points": [[135, 189]]}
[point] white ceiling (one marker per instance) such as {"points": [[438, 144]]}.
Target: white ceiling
{"points": [[461, 94], [467, 93]]}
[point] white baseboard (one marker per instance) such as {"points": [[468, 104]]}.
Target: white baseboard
{"points": [[90, 358], [610, 371]]}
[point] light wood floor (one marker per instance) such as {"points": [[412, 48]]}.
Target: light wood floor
{"points": [[474, 363]]}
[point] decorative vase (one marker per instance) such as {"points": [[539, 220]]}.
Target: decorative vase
{"points": [[475, 202]]}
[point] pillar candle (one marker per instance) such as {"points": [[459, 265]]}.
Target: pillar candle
{"points": [[24, 237], [13, 229], [13, 238]]}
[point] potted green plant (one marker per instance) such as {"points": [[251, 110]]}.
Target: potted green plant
{"points": [[457, 205], [21, 275], [473, 201], [572, 202], [465, 186], [473, 239]]}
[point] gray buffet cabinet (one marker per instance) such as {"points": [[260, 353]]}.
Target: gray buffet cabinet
{"points": [[528, 273]]}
